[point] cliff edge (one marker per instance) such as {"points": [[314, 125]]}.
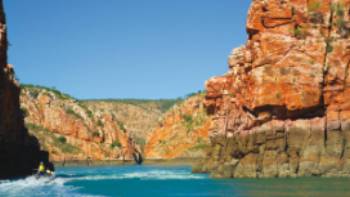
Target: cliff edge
{"points": [[283, 109], [20, 153]]}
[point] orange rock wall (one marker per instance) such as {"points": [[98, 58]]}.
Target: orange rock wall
{"points": [[90, 134], [183, 132], [283, 108]]}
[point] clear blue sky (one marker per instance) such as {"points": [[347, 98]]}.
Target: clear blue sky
{"points": [[123, 48]]}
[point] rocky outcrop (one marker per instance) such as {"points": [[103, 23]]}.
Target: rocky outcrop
{"points": [[182, 133], [70, 130], [20, 153], [283, 109]]}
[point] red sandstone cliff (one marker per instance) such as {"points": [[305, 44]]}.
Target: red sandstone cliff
{"points": [[283, 109], [182, 133], [20, 153], [71, 130]]}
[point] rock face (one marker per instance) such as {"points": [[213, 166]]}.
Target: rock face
{"points": [[71, 130], [182, 133], [97, 130], [283, 109], [102, 130], [138, 117], [20, 153]]}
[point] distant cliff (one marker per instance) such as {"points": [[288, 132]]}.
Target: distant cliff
{"points": [[182, 132], [104, 130], [97, 130], [283, 109], [139, 117], [20, 153]]}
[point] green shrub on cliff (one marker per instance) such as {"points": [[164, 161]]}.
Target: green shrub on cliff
{"points": [[329, 47], [100, 123], [312, 7], [61, 143], [37, 128], [338, 9], [162, 104], [194, 121], [24, 111], [201, 145], [188, 120], [95, 134], [121, 126], [299, 32], [73, 113], [62, 139], [34, 88], [90, 114], [116, 143]]}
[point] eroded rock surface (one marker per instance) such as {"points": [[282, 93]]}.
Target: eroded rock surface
{"points": [[283, 109]]}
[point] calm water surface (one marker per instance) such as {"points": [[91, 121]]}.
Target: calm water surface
{"points": [[165, 181]]}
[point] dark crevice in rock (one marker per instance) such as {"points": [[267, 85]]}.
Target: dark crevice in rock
{"points": [[346, 74], [252, 32], [343, 147], [283, 21], [280, 112]]}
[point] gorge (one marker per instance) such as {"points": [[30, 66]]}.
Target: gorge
{"points": [[73, 130], [281, 110]]}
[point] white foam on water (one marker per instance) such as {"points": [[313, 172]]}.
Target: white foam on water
{"points": [[162, 175], [57, 187], [32, 186], [143, 175]]}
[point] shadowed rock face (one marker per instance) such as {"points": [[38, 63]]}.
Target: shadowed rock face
{"points": [[283, 109], [20, 153]]}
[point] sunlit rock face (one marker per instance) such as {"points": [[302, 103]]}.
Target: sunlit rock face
{"points": [[283, 108], [182, 132], [20, 153], [73, 130]]}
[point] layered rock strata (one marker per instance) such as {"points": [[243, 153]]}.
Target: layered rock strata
{"points": [[283, 109]]}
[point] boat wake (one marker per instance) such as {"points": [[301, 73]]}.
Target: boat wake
{"points": [[147, 175], [59, 186], [31, 186]]}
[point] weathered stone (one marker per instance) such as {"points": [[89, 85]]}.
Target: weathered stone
{"points": [[286, 97]]}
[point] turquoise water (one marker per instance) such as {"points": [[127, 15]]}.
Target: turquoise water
{"points": [[165, 181]]}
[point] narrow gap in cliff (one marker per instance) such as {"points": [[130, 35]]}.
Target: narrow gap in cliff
{"points": [[346, 74], [298, 163]]}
